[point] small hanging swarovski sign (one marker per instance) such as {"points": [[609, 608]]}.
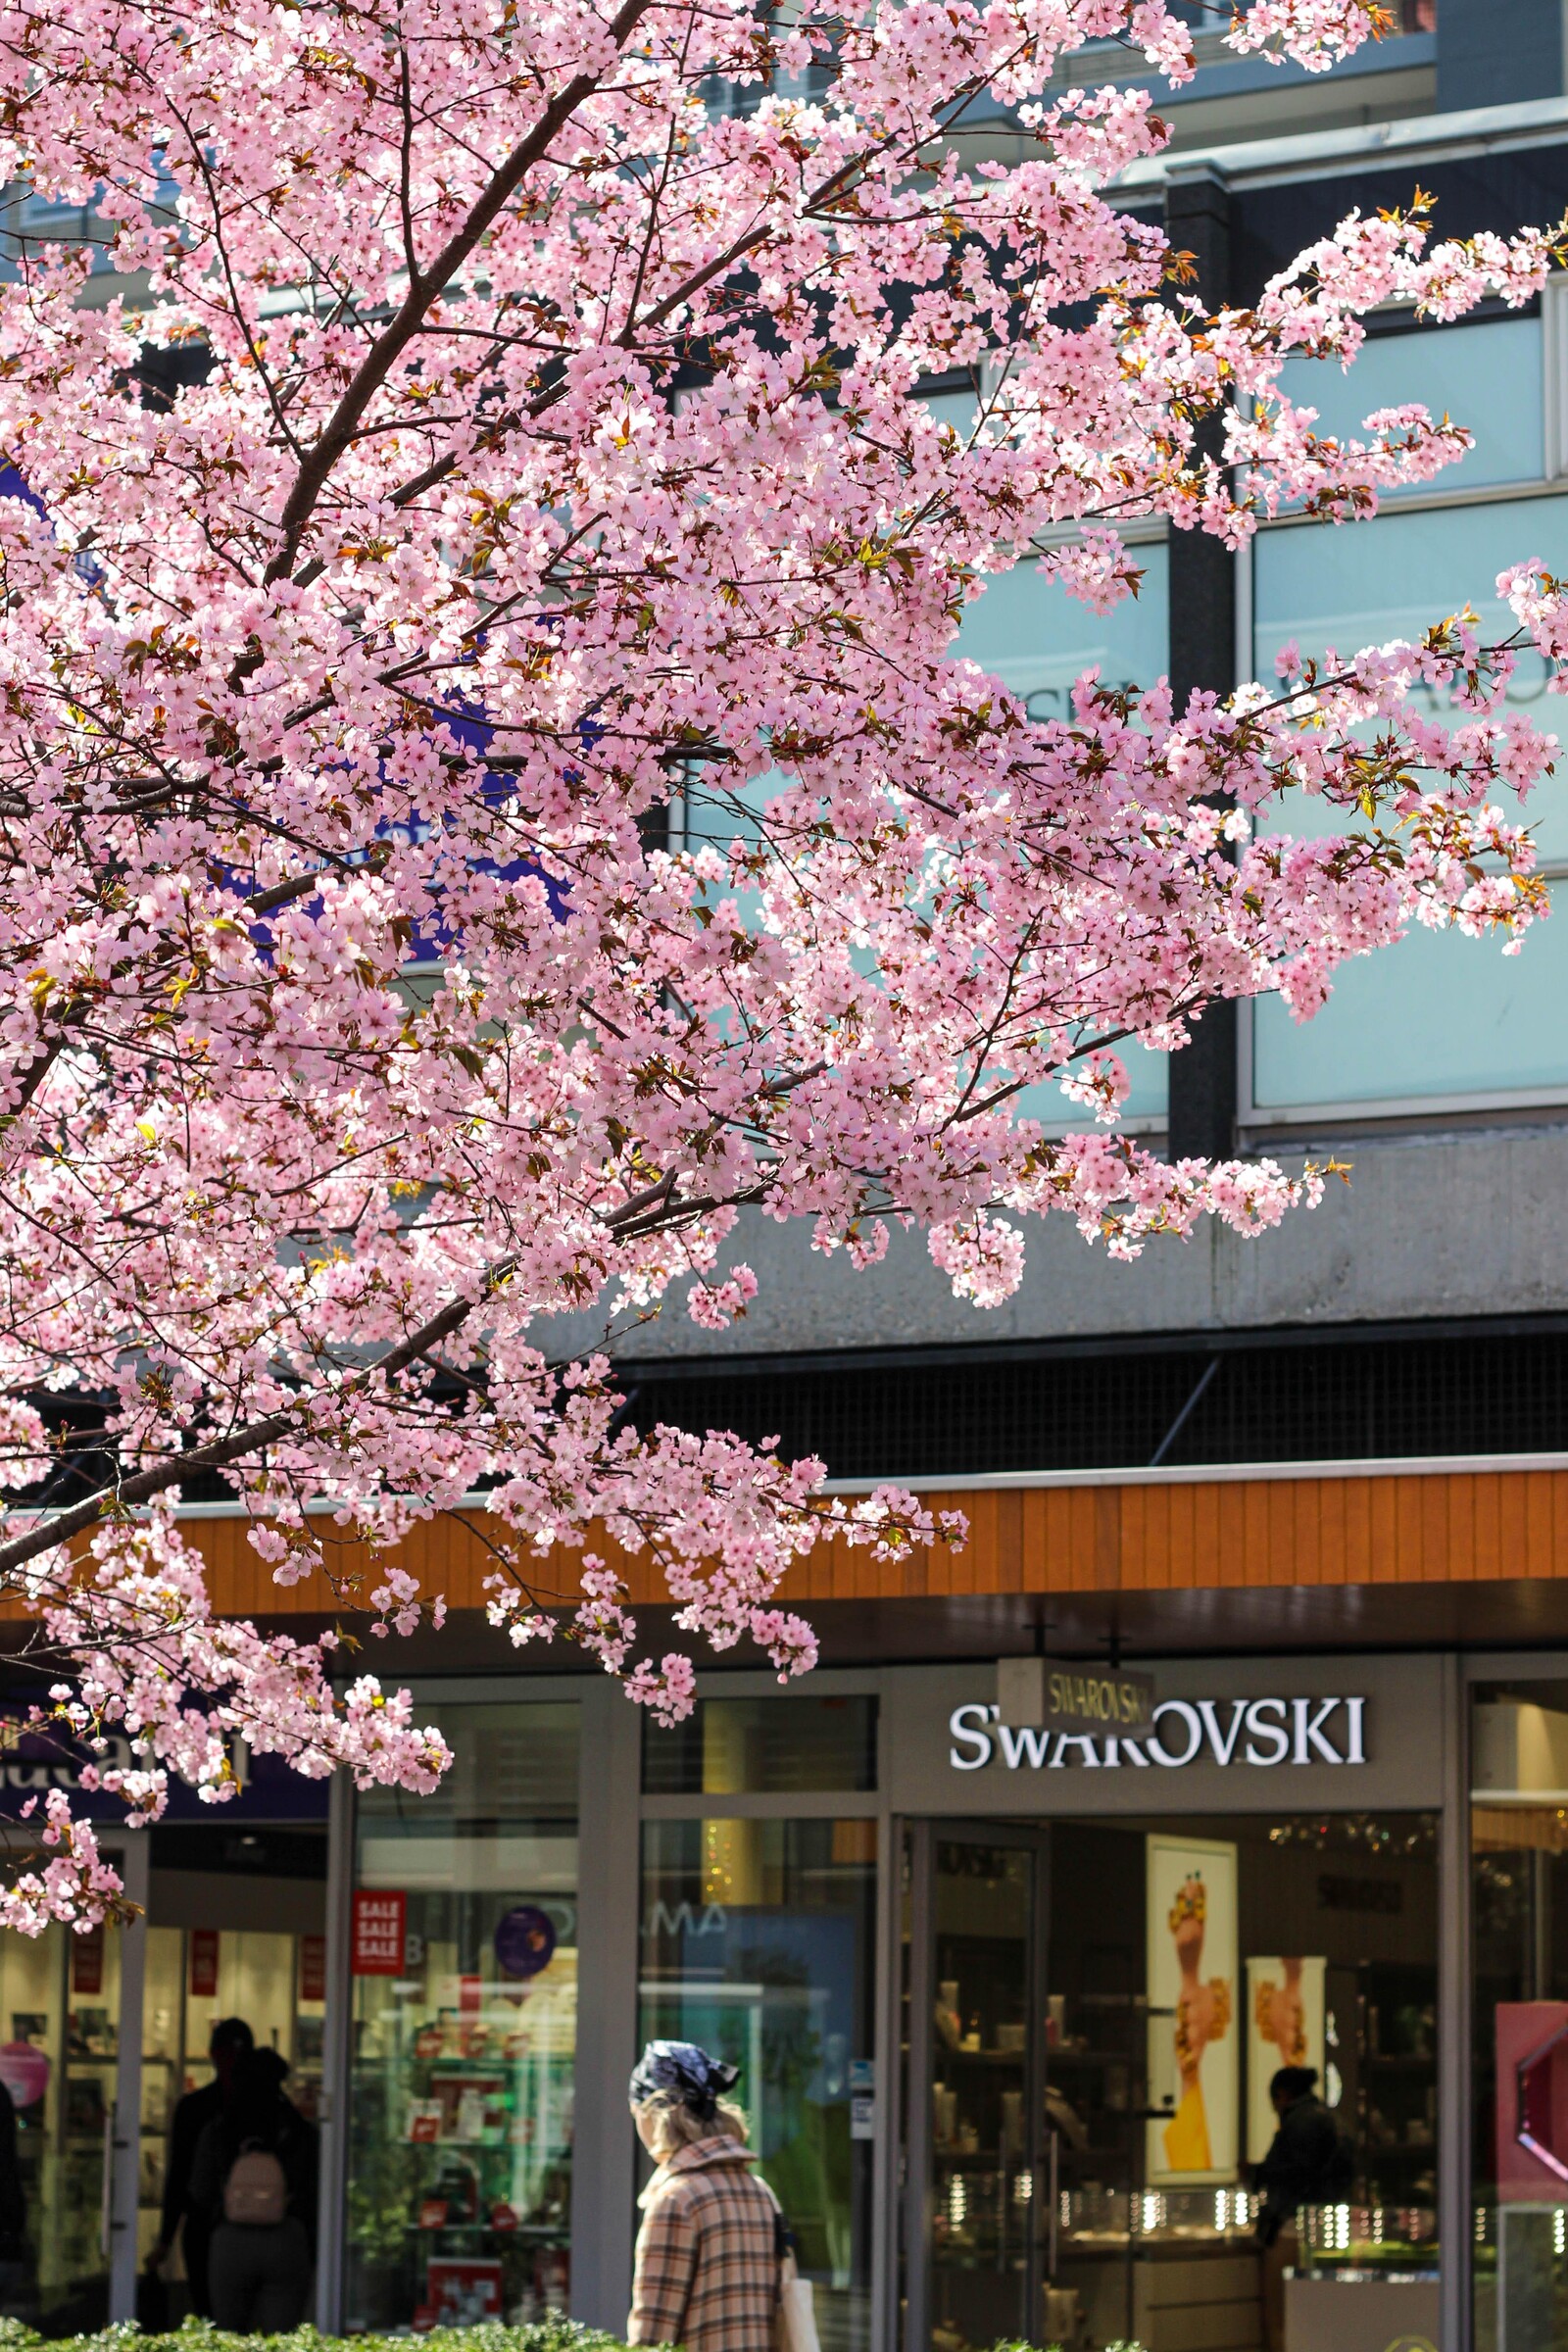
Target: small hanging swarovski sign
{"points": [[1258, 1731]]}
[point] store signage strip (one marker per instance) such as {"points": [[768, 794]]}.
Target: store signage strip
{"points": [[1256, 1731]]}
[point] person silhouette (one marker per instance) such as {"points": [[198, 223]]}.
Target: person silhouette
{"points": [[231, 2040]]}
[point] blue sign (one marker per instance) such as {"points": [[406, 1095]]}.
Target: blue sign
{"points": [[525, 1941], [38, 1757]]}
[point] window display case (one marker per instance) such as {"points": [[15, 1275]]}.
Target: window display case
{"points": [[465, 2028], [274, 1980], [462, 2188]]}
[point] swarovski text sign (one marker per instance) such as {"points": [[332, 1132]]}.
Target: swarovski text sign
{"points": [[1259, 1732], [1050, 1694]]}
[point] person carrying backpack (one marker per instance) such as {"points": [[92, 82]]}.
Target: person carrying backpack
{"points": [[254, 2174]]}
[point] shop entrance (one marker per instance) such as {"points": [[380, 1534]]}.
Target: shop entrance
{"points": [[1095, 2012], [237, 1928], [976, 2232]]}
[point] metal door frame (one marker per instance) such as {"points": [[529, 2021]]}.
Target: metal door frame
{"points": [[122, 2149], [915, 2116]]}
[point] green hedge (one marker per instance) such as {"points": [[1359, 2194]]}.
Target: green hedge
{"points": [[553, 2335]]}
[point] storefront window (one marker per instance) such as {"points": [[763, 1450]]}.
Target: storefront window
{"points": [[1519, 1839], [1109, 2004], [237, 1928], [763, 1747], [1040, 641], [759, 1943], [64, 2064], [464, 1959]]}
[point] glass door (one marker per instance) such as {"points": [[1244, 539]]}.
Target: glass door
{"points": [[980, 2151], [275, 1982]]}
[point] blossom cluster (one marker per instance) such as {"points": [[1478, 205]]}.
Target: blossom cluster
{"points": [[490, 804]]}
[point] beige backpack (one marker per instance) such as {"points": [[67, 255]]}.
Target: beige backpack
{"points": [[256, 2193]]}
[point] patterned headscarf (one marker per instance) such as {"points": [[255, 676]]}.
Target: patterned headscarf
{"points": [[687, 2072]]}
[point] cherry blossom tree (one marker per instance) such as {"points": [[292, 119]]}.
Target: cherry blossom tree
{"points": [[548, 452]]}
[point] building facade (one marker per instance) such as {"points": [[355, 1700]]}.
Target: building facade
{"points": [[1008, 1971], [1005, 1975]]}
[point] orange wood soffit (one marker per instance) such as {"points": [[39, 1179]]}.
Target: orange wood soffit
{"points": [[1448, 1527]]}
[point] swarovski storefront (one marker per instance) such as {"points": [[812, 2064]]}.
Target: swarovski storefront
{"points": [[1007, 1958], [1113, 1938]]}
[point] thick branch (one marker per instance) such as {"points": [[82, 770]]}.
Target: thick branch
{"points": [[424, 288], [144, 1485]]}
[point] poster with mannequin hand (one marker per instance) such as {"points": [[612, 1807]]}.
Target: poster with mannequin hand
{"points": [[1286, 2025], [1194, 2041]]}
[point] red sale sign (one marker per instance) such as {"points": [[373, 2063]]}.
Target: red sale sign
{"points": [[203, 1974], [313, 1968], [380, 1931]]}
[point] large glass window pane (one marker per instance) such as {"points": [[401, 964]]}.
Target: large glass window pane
{"points": [[768, 1746], [237, 1928], [60, 2001], [985, 2143], [459, 2139], [1519, 2081], [1258, 1943], [1039, 641], [1438, 1015], [759, 1943], [1350, 584], [1157, 2193], [1486, 375]]}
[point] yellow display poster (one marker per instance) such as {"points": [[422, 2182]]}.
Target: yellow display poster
{"points": [[1285, 2027], [1193, 2034]]}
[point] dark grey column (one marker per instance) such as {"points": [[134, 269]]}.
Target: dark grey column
{"points": [[604, 2182], [337, 2056], [1455, 1999], [1202, 657]]}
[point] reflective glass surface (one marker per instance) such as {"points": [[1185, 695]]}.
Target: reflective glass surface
{"points": [[757, 1942], [763, 1746], [465, 2031], [1486, 375], [1438, 1014], [1040, 641], [1519, 2061]]}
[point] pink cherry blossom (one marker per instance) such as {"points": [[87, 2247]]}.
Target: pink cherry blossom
{"points": [[492, 799]]}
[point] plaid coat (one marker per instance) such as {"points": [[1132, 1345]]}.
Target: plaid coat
{"points": [[707, 2271]]}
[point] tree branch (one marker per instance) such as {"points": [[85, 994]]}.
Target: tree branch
{"points": [[423, 287], [143, 1485]]}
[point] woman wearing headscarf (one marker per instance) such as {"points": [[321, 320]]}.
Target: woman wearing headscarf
{"points": [[707, 2252]]}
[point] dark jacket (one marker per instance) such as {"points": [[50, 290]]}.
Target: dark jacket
{"points": [[13, 2204], [192, 2114], [1304, 2166]]}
